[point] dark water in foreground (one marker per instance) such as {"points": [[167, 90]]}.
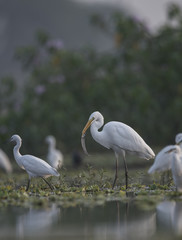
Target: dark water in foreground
{"points": [[113, 220]]}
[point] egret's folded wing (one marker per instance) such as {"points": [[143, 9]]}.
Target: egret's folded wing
{"points": [[38, 166]]}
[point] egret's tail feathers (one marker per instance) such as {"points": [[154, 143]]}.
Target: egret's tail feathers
{"points": [[147, 154], [150, 154], [55, 172]]}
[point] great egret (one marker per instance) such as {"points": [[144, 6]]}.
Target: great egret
{"points": [[119, 137], [176, 166], [54, 156], [164, 157], [5, 162], [35, 167]]}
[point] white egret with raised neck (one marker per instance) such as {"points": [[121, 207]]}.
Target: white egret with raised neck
{"points": [[119, 137], [34, 166]]}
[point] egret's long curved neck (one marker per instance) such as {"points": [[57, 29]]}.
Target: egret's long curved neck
{"points": [[180, 145], [52, 145], [177, 158], [96, 134], [16, 150]]}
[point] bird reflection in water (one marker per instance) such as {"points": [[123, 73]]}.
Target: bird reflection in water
{"points": [[169, 217], [113, 220], [128, 224], [37, 222]]}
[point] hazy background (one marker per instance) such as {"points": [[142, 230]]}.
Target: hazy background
{"points": [[68, 20], [122, 58]]}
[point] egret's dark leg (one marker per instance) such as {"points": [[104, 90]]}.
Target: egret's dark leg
{"points": [[28, 185], [116, 173], [126, 172], [169, 177], [51, 187], [163, 178]]}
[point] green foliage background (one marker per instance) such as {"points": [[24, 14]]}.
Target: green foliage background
{"points": [[138, 82]]}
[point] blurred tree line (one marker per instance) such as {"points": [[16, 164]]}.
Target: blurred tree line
{"points": [[138, 83]]}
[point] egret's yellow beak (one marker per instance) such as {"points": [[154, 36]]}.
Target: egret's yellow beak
{"points": [[87, 126], [83, 135]]}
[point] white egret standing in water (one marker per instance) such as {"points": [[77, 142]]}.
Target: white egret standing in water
{"points": [[119, 137], [54, 156], [34, 166], [5, 162], [163, 159]]}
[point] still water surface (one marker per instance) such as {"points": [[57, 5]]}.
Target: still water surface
{"points": [[113, 220]]}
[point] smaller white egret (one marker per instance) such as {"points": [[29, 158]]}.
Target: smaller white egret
{"points": [[163, 159], [119, 137], [5, 163], [54, 156], [35, 167], [177, 166]]}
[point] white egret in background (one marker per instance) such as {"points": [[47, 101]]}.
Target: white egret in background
{"points": [[35, 167], [162, 161], [164, 158], [54, 156], [176, 166], [119, 137], [5, 163]]}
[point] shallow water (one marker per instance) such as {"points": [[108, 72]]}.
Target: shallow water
{"points": [[112, 220]]}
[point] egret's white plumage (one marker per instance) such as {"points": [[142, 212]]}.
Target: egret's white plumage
{"points": [[119, 137], [5, 162], [54, 156], [178, 139], [34, 166], [162, 160], [177, 166], [164, 157]]}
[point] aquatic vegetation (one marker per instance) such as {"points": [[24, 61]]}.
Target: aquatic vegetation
{"points": [[89, 187]]}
